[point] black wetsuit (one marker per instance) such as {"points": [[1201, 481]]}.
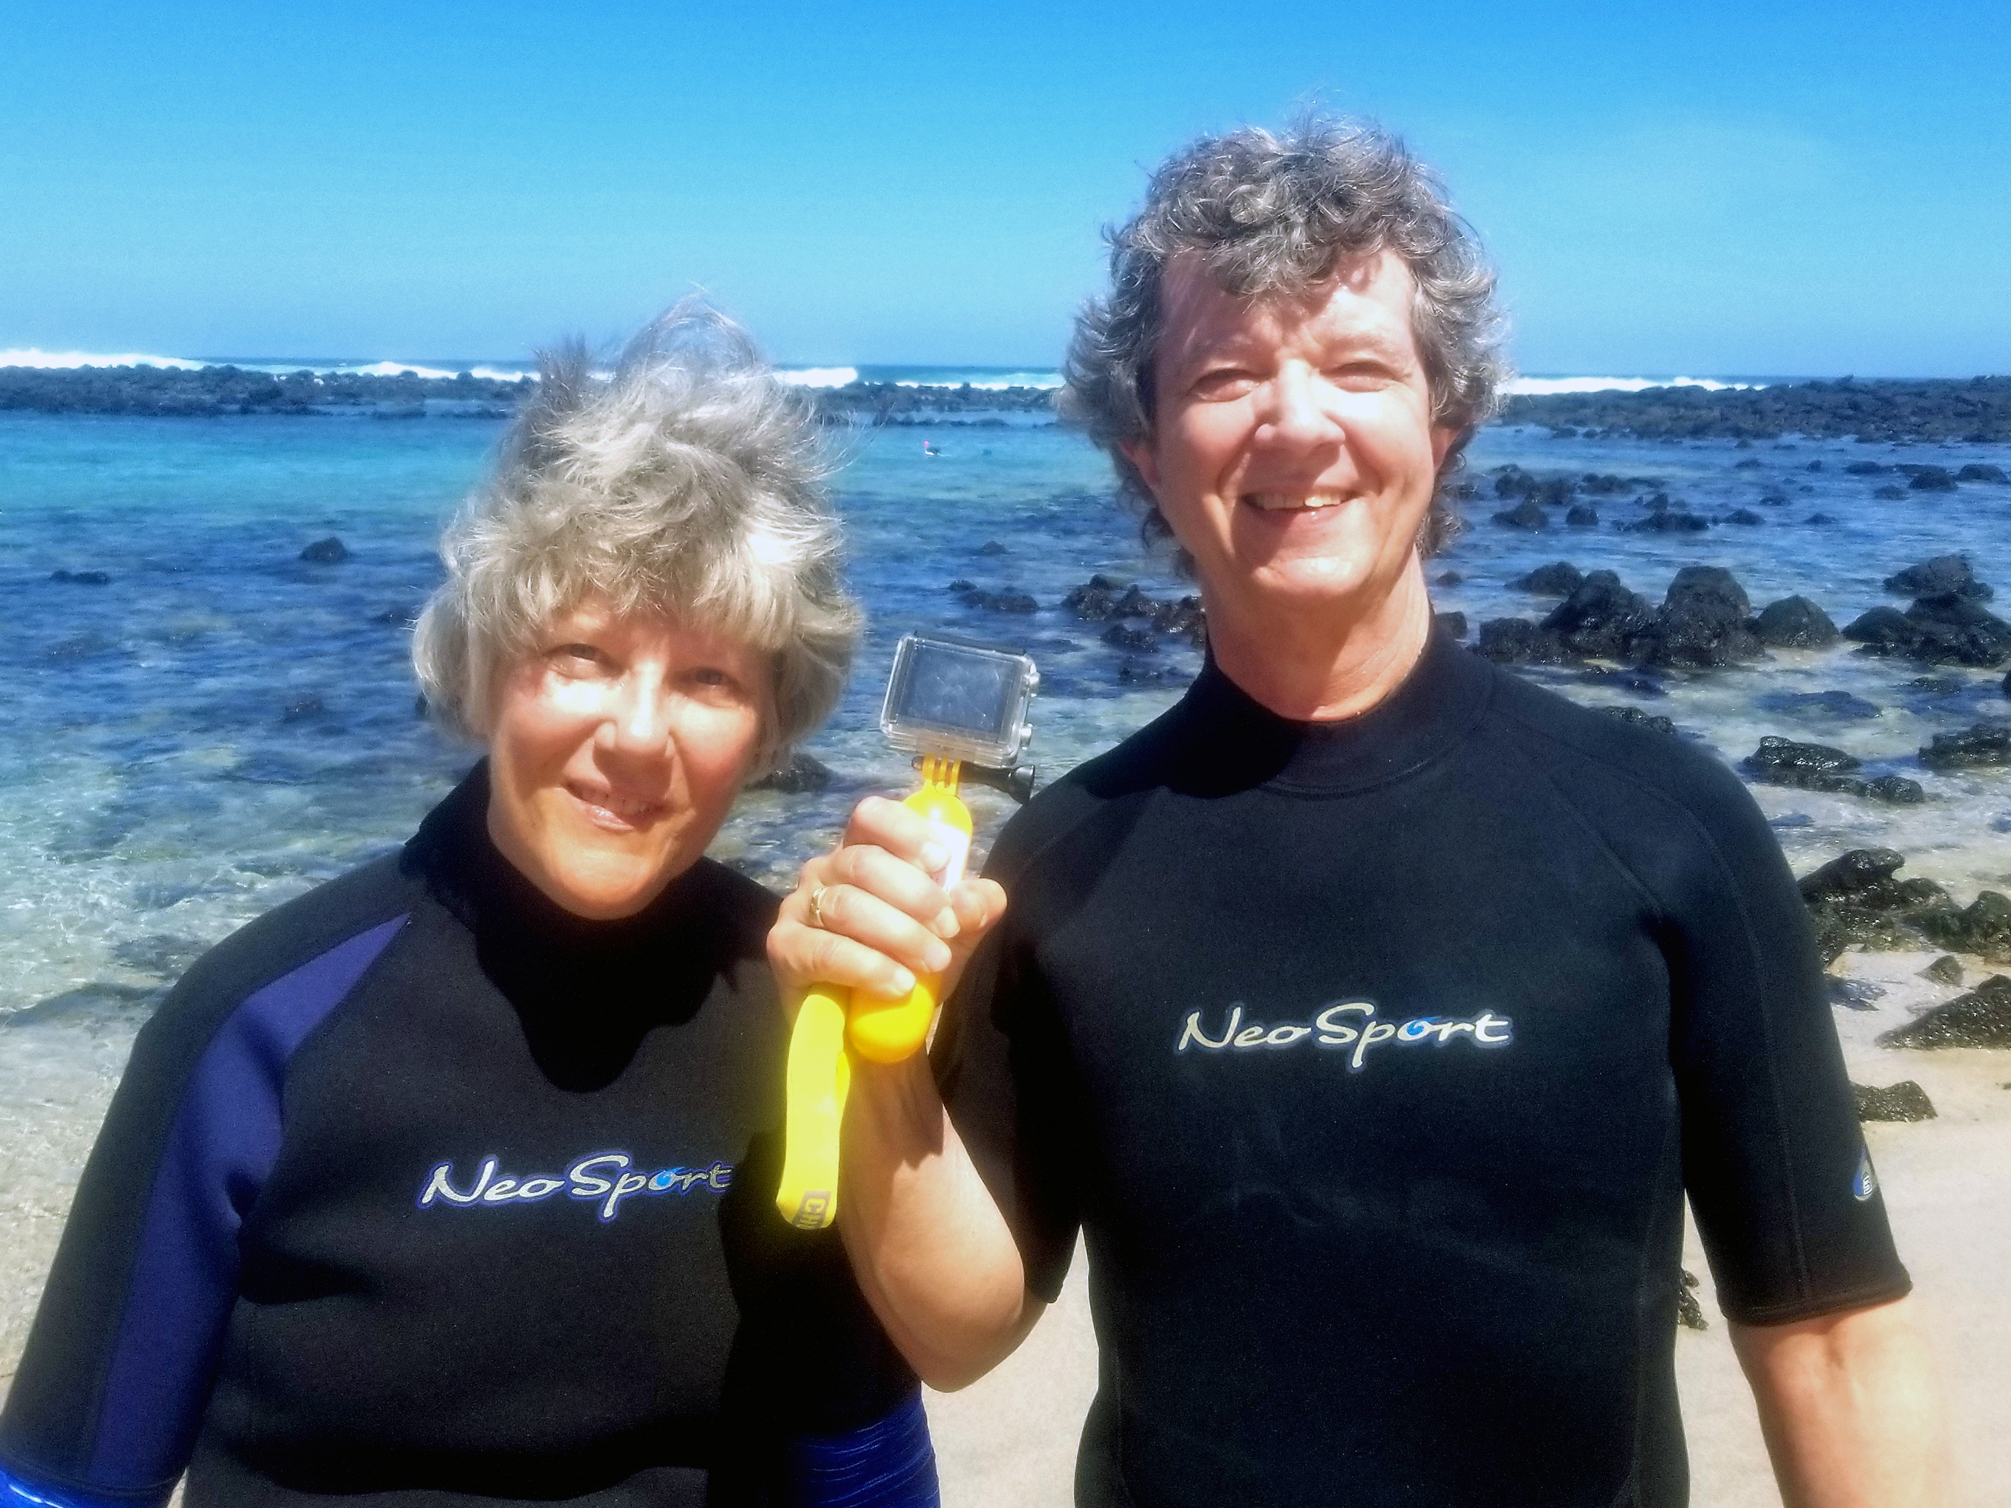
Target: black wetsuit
{"points": [[421, 1187], [1374, 1059]]}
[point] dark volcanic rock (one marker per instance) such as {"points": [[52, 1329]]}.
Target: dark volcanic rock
{"points": [[1582, 516], [1668, 521], [1932, 479], [1524, 515], [1095, 600], [1641, 719], [1983, 927], [1978, 744], [1448, 578], [1958, 630], [1819, 703], [1852, 994], [1517, 641], [1558, 580], [1904, 1101], [1981, 1018], [1939, 576], [1600, 618], [1702, 622], [1978, 471], [1883, 630], [1785, 762], [327, 551], [1454, 624], [1007, 601], [1744, 517], [1864, 468], [1817, 767], [1689, 1313], [82, 578], [1855, 900], [1946, 969], [1795, 623], [1124, 636], [1889, 492], [804, 774], [991, 547]]}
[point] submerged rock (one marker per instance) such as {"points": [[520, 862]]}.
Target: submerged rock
{"points": [[1524, 515], [802, 774], [1011, 600], [1124, 636], [329, 551], [1819, 703], [1937, 576], [1981, 1018], [1978, 744], [1582, 516], [1931, 479], [82, 578], [1557, 580], [1980, 471], [1817, 767], [1795, 623], [1904, 1101]]}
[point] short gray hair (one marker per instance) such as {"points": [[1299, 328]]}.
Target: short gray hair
{"points": [[1270, 215], [688, 484]]}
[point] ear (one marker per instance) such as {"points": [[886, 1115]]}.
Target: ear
{"points": [[1443, 438], [1142, 456]]}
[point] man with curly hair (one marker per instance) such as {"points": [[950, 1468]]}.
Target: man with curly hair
{"points": [[1372, 1013]]}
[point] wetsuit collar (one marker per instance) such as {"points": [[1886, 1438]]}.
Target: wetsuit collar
{"points": [[1246, 743]]}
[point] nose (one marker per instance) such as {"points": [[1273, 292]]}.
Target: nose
{"points": [[1295, 416], [638, 716]]}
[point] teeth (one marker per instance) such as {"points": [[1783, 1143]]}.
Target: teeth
{"points": [[1290, 502]]}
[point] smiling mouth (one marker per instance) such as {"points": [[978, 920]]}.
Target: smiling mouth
{"points": [[607, 809], [1292, 502]]}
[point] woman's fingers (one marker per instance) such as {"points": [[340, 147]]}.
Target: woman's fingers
{"points": [[867, 918]]}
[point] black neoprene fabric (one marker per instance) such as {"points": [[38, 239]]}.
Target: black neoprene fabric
{"points": [[1373, 1060], [504, 1233]]}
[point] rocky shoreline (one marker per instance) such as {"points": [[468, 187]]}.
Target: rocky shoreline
{"points": [[1976, 409], [210, 392]]}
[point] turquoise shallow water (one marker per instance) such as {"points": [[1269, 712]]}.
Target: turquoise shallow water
{"points": [[222, 725]]}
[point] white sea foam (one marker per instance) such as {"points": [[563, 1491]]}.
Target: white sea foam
{"points": [[1542, 386], [818, 376], [990, 382], [71, 360]]}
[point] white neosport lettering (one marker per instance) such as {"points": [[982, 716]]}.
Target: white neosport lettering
{"points": [[1344, 1023], [606, 1178]]}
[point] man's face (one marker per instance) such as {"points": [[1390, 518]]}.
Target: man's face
{"points": [[1293, 451]]}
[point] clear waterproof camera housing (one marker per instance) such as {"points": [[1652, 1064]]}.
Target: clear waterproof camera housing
{"points": [[959, 701]]}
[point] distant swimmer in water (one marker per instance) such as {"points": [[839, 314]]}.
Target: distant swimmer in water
{"points": [[929, 448]]}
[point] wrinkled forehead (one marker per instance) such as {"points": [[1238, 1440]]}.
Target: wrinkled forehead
{"points": [[1365, 302]]}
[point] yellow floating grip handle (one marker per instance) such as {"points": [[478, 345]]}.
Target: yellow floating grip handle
{"points": [[820, 1073], [819, 1078]]}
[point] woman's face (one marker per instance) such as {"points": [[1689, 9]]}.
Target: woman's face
{"points": [[618, 745]]}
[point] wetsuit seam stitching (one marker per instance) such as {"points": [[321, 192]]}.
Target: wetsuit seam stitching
{"points": [[1776, 1099]]}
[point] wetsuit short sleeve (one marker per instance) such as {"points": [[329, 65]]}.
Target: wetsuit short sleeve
{"points": [[1774, 1161]]}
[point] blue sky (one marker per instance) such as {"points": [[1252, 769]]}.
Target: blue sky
{"points": [[1704, 189]]}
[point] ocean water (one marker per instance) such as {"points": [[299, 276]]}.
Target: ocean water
{"points": [[221, 725]]}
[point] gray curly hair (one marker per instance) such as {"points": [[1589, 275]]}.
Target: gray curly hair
{"points": [[689, 485], [1270, 215]]}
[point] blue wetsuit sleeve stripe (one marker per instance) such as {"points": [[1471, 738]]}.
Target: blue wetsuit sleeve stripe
{"points": [[16, 1492], [890, 1463], [220, 1148]]}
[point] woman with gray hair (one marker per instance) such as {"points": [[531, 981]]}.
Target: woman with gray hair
{"points": [[452, 1180]]}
